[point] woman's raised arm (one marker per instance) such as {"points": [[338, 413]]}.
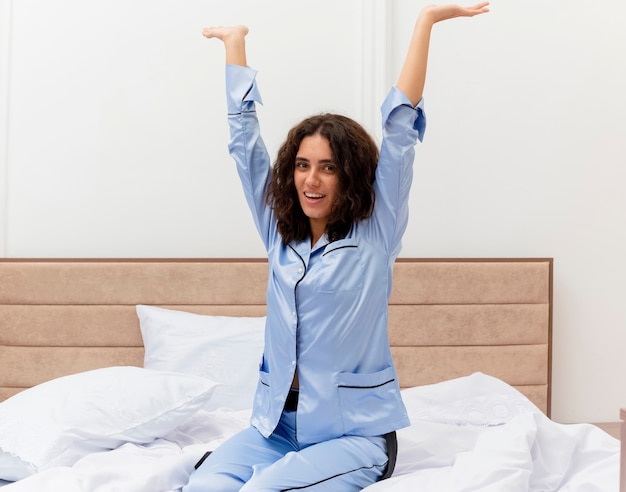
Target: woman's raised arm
{"points": [[413, 74]]}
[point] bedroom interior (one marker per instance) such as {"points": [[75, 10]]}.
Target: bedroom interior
{"points": [[111, 118], [91, 132], [450, 321]]}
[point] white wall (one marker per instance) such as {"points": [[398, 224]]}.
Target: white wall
{"points": [[5, 36], [114, 139]]}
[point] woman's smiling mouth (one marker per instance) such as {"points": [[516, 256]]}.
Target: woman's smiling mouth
{"points": [[313, 196]]}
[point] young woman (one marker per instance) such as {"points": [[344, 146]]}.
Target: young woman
{"points": [[331, 212]]}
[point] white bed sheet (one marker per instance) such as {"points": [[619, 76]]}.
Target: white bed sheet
{"points": [[469, 434]]}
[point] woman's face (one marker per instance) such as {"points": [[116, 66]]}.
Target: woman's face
{"points": [[316, 181]]}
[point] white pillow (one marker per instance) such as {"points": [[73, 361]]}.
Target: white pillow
{"points": [[225, 349], [58, 422]]}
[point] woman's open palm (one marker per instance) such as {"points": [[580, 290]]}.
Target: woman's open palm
{"points": [[439, 13]]}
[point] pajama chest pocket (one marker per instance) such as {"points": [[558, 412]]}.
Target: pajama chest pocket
{"points": [[341, 268], [365, 397]]}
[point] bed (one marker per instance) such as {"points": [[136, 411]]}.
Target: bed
{"points": [[118, 374]]}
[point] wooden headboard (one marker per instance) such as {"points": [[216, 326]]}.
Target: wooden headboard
{"points": [[448, 317]]}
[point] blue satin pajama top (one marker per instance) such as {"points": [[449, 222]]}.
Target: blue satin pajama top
{"points": [[327, 304]]}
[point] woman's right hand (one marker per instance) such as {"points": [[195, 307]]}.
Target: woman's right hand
{"points": [[438, 13]]}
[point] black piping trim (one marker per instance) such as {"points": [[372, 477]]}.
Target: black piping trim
{"points": [[304, 269], [204, 457], [340, 247], [366, 387], [334, 476], [295, 297], [241, 112]]}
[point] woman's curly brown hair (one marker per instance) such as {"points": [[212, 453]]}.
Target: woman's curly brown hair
{"points": [[356, 155]]}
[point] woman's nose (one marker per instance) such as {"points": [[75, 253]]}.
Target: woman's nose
{"points": [[312, 178]]}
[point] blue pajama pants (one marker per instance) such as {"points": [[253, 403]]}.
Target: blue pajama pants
{"points": [[250, 462]]}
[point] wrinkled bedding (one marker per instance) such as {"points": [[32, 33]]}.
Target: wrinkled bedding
{"points": [[474, 433]]}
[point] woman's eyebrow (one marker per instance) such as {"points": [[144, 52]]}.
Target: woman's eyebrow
{"points": [[307, 160]]}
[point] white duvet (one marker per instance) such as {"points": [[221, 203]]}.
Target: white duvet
{"points": [[469, 434]]}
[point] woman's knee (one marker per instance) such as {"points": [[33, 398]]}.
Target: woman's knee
{"points": [[212, 482]]}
